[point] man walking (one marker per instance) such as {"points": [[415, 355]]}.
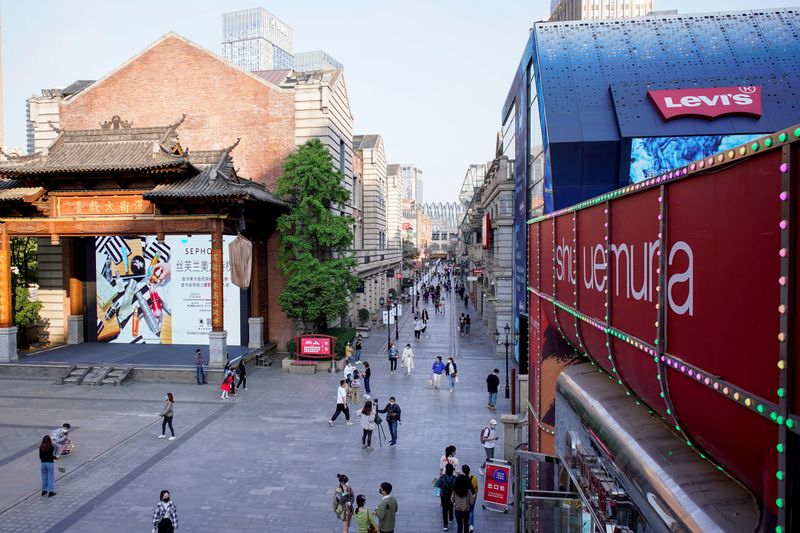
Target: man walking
{"points": [[492, 384], [392, 411], [387, 509], [489, 438], [341, 405], [198, 362]]}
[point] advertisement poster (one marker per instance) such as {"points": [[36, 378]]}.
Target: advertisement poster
{"points": [[651, 156], [315, 346], [160, 293], [497, 483]]}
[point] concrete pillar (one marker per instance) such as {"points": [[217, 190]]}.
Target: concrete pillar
{"points": [[256, 328], [8, 333], [217, 348], [511, 427], [75, 329], [8, 345], [522, 394]]}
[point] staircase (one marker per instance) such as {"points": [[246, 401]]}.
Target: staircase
{"points": [[95, 375], [75, 374]]}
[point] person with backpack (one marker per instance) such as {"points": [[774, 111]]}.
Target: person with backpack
{"points": [[473, 481], [452, 373], [488, 439], [343, 502], [449, 458], [463, 499], [492, 384], [437, 369], [445, 485]]}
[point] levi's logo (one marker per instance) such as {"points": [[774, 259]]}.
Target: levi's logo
{"points": [[708, 103]]}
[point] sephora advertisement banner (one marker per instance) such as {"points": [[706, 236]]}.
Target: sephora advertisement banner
{"points": [[160, 293], [720, 292]]}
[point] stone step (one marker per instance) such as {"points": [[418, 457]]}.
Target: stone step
{"points": [[96, 376], [117, 376], [75, 374]]}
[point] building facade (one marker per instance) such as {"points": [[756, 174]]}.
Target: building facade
{"points": [[413, 182], [445, 219], [43, 115], [315, 60], [395, 191], [254, 39], [562, 10]]}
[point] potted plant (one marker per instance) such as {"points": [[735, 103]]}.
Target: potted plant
{"points": [[363, 316], [26, 315]]}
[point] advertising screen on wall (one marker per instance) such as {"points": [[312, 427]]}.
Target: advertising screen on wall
{"points": [[160, 292], [651, 156]]}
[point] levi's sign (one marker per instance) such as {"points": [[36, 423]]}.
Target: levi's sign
{"points": [[708, 103]]}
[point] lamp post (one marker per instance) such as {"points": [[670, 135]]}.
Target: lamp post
{"points": [[396, 323], [506, 343], [388, 322]]}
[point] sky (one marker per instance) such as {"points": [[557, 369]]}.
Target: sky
{"points": [[429, 76]]}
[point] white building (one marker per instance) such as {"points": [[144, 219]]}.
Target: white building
{"points": [[412, 178], [445, 219], [561, 10], [315, 60], [43, 114], [395, 192], [254, 39]]}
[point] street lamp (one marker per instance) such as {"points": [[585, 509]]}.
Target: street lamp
{"points": [[506, 343], [388, 322]]}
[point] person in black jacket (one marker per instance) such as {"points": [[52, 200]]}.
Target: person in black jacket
{"points": [[392, 411], [492, 383], [47, 456], [242, 371]]}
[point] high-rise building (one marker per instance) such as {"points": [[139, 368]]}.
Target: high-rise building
{"points": [[254, 39], [412, 180], [315, 60], [598, 9]]}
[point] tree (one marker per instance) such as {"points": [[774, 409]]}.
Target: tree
{"points": [[316, 245], [410, 254], [24, 256]]}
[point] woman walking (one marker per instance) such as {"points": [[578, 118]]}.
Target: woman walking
{"points": [[47, 456], [242, 371], [343, 502], [417, 328], [393, 355], [165, 515], [452, 372], [367, 375], [408, 359], [367, 426], [445, 484], [166, 414], [463, 499], [364, 517], [449, 458]]}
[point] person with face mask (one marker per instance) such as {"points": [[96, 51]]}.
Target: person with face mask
{"points": [[165, 515], [392, 411], [387, 509], [166, 414]]}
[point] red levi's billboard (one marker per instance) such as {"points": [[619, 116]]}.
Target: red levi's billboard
{"points": [[707, 103], [676, 288]]}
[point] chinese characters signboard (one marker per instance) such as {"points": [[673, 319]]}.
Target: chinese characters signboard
{"points": [[315, 346], [102, 205], [496, 483]]}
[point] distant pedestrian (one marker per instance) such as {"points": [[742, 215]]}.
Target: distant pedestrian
{"points": [[166, 416], [242, 371], [367, 426], [343, 501], [393, 413], [452, 373], [492, 384], [408, 359], [341, 405], [489, 439], [425, 316], [473, 481], [467, 325], [359, 346], [441, 304], [462, 323], [393, 356], [445, 484], [165, 515], [463, 499], [437, 370], [466, 301], [355, 387], [387, 509], [198, 362], [367, 375], [449, 458], [60, 440], [226, 385], [47, 457], [417, 328], [365, 519]]}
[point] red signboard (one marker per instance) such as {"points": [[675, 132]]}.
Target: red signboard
{"points": [[477, 271], [315, 346], [675, 290], [486, 229], [497, 483], [708, 103], [406, 226]]}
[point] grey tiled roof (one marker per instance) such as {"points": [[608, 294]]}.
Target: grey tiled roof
{"points": [[103, 150], [15, 191], [276, 77], [365, 142]]}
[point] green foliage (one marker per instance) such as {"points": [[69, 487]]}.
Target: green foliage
{"points": [[26, 312], [24, 256], [410, 254], [363, 315], [316, 245], [343, 336], [291, 346]]}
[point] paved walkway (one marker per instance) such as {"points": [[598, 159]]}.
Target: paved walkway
{"points": [[265, 460]]}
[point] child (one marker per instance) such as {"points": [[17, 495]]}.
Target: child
{"points": [[226, 385], [355, 387]]}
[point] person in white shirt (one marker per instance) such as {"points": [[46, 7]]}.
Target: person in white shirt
{"points": [[341, 404], [348, 371], [408, 359], [488, 438]]}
